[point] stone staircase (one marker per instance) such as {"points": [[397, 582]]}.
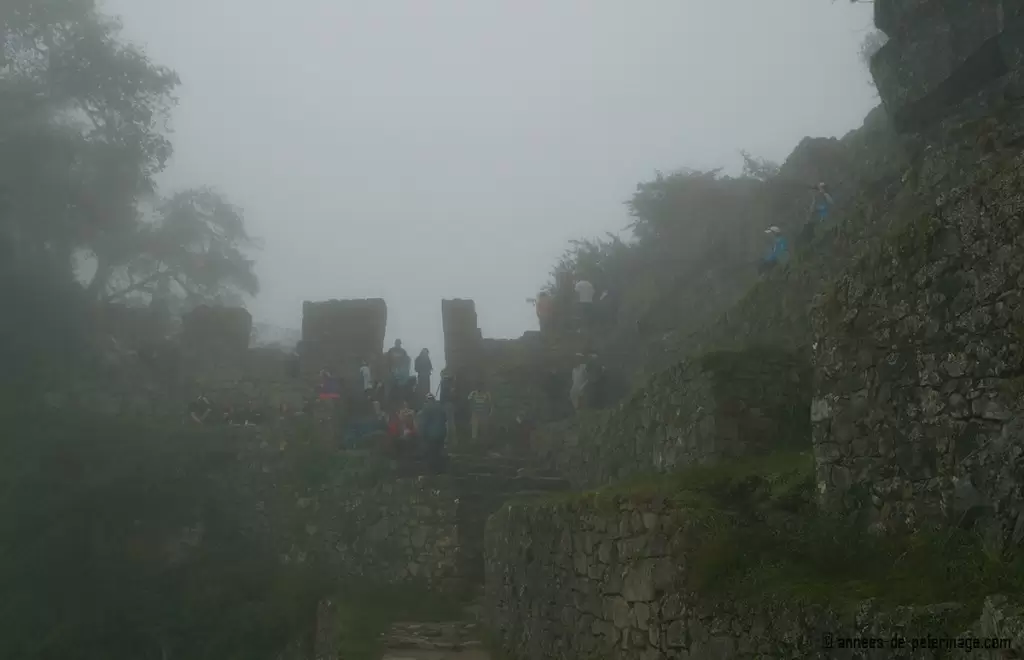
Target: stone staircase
{"points": [[453, 640], [483, 484]]}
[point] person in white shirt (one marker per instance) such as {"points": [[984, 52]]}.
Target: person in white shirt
{"points": [[364, 372], [585, 297], [368, 385]]}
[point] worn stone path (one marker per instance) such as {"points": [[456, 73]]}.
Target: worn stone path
{"points": [[454, 640]]}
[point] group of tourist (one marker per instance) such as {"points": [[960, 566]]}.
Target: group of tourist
{"points": [[202, 411], [821, 204], [402, 410]]}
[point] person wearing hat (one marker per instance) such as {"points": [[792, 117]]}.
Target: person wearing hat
{"points": [[821, 202], [778, 251]]}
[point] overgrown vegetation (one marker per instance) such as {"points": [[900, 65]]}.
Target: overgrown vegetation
{"points": [[98, 519]]}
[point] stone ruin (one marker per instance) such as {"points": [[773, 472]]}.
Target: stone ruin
{"points": [[462, 339], [950, 75], [918, 402], [339, 334]]}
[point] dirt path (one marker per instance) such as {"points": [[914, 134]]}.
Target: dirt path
{"points": [[455, 640]]}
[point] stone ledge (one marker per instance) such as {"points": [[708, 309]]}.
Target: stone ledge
{"points": [[645, 573]]}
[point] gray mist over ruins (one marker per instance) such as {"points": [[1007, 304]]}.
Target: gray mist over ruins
{"points": [[370, 360]]}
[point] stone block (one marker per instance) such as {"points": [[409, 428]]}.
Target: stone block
{"points": [[338, 334], [462, 337]]}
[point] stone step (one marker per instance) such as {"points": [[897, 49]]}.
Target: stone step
{"points": [[441, 640], [491, 486]]}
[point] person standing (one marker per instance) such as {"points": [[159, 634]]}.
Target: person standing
{"points": [[366, 378], [398, 363], [423, 370], [480, 411], [821, 202], [585, 301]]}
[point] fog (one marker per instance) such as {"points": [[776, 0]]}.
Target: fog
{"points": [[420, 150]]}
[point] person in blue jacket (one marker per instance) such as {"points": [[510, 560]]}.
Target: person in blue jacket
{"points": [[779, 249], [821, 202]]}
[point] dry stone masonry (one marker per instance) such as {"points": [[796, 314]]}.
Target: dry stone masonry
{"points": [[918, 353], [338, 334], [722, 405], [582, 579], [920, 366]]}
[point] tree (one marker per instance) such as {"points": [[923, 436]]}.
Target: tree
{"points": [[760, 169], [192, 253], [600, 261], [98, 104], [83, 120]]}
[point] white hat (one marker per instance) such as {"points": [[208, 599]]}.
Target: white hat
{"points": [[773, 230]]}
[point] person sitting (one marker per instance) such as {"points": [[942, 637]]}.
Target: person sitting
{"points": [[329, 386], [407, 420], [200, 409]]}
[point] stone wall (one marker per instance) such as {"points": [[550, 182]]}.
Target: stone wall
{"points": [[919, 367], [339, 334], [347, 510], [462, 339], [587, 579], [950, 76], [724, 404]]}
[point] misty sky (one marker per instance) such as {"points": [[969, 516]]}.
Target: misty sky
{"points": [[416, 150]]}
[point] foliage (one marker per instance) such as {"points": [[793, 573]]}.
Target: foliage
{"points": [[678, 220], [83, 119], [193, 251], [89, 510], [757, 168], [600, 261], [88, 503]]}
